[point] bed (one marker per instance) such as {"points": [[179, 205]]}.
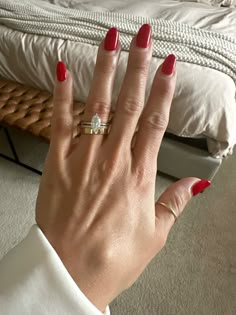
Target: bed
{"points": [[202, 127]]}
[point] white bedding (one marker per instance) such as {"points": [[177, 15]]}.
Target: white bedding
{"points": [[204, 103], [218, 3]]}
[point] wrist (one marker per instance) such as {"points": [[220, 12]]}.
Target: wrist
{"points": [[92, 286], [95, 292]]}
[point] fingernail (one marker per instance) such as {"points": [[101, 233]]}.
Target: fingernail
{"points": [[143, 36], [200, 186], [61, 71], [111, 39], [168, 65]]}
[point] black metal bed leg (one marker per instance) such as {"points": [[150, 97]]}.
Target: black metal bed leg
{"points": [[11, 144], [16, 158]]}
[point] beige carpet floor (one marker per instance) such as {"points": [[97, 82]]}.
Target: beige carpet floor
{"points": [[194, 274]]}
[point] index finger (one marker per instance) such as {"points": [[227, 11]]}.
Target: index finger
{"points": [[155, 117], [62, 118]]}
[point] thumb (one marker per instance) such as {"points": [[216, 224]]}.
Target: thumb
{"points": [[176, 197]]}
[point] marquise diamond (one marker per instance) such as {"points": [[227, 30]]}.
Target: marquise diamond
{"points": [[96, 123]]}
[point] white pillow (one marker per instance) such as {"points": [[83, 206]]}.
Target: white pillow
{"points": [[215, 3]]}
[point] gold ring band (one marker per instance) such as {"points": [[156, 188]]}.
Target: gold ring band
{"points": [[91, 131], [169, 208], [88, 124]]}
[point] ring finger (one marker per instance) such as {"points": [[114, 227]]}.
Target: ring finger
{"points": [[100, 95]]}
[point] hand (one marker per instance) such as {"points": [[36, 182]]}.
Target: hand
{"points": [[96, 198]]}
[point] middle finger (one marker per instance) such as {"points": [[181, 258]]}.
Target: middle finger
{"points": [[132, 96]]}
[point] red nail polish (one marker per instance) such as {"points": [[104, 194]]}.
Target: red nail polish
{"points": [[168, 65], [61, 71], [111, 39], [200, 186], [143, 36]]}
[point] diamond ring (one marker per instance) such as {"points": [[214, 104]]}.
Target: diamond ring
{"points": [[95, 127]]}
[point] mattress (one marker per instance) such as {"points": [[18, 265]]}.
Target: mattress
{"points": [[204, 102]]}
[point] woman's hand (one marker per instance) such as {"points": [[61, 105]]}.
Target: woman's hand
{"points": [[96, 201]]}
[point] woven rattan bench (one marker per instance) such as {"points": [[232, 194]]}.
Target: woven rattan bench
{"points": [[29, 110]]}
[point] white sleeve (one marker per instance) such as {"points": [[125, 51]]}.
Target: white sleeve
{"points": [[33, 280]]}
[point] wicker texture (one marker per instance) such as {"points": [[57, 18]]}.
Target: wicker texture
{"points": [[31, 110]]}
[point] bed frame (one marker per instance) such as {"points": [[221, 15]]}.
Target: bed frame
{"points": [[30, 110]]}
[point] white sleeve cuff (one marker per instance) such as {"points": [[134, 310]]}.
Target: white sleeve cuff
{"points": [[33, 280]]}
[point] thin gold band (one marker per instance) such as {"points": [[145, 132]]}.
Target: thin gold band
{"points": [[169, 208], [88, 124]]}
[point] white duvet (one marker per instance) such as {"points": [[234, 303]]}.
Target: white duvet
{"points": [[204, 103]]}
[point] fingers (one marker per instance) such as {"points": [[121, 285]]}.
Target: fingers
{"points": [[131, 99], [100, 95], [176, 197], [155, 117], [62, 119]]}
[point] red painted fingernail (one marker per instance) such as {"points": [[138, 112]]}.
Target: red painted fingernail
{"points": [[143, 36], [168, 65], [111, 39], [200, 186], [61, 71]]}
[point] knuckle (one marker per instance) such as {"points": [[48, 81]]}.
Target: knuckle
{"points": [[106, 64], [61, 99], [62, 124], [156, 121], [139, 62], [140, 68], [133, 105], [98, 106], [164, 87]]}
